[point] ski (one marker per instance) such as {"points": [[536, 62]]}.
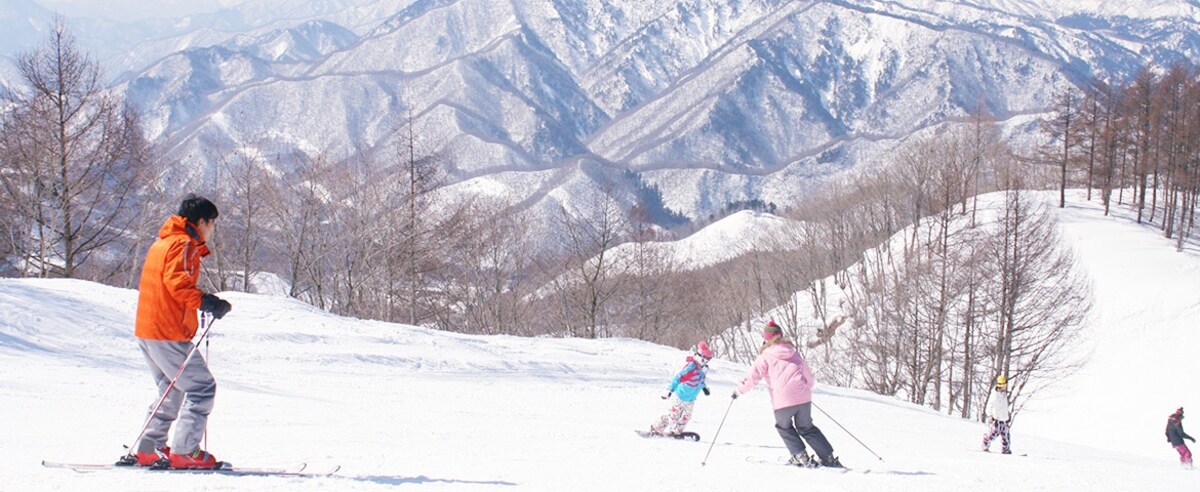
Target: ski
{"points": [[300, 470], [686, 436], [783, 461], [999, 453]]}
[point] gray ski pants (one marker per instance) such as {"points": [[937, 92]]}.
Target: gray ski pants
{"points": [[190, 401], [795, 422]]}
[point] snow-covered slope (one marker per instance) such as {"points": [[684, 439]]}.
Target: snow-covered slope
{"points": [[398, 405], [1142, 343], [1136, 346], [723, 240]]}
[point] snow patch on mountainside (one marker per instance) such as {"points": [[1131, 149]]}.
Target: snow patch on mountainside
{"points": [[723, 240]]}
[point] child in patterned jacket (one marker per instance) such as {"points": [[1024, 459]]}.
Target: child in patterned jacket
{"points": [[1176, 435], [686, 386]]}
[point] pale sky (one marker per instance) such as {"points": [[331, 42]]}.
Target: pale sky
{"points": [[127, 10]]}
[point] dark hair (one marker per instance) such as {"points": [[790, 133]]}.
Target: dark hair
{"points": [[195, 207]]}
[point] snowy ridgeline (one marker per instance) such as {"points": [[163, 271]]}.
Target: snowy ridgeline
{"points": [[714, 102], [398, 405]]}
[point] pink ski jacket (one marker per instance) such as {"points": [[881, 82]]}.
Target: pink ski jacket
{"points": [[789, 379]]}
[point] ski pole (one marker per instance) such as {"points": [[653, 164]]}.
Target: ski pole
{"points": [[207, 325], [718, 432], [847, 431], [207, 358]]}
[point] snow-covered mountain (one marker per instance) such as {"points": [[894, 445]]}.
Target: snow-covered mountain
{"points": [[129, 35], [712, 101], [20, 30]]}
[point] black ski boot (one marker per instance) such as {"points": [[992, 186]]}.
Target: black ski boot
{"points": [[831, 462]]}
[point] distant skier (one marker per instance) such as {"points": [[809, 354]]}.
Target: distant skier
{"points": [[790, 383], [999, 415], [686, 386], [1176, 435], [168, 299]]}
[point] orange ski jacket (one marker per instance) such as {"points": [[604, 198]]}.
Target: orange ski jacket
{"points": [[167, 294]]}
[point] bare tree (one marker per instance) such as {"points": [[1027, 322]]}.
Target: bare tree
{"points": [[1140, 101], [590, 271], [1116, 144], [420, 222], [492, 273], [300, 212], [76, 159], [1188, 183], [911, 284], [364, 220], [1064, 126], [1139, 135], [244, 185], [649, 305], [1090, 127], [982, 146], [1041, 299], [736, 302]]}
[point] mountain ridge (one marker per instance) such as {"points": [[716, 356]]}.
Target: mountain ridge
{"points": [[713, 102]]}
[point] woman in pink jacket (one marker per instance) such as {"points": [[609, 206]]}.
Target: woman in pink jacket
{"points": [[790, 384]]}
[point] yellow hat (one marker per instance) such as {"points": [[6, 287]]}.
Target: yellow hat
{"points": [[1001, 380]]}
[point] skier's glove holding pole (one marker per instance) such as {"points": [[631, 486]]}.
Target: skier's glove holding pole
{"points": [[215, 305], [668, 395], [735, 394], [706, 391]]}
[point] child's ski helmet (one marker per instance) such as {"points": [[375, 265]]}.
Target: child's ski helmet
{"points": [[703, 351], [1001, 381]]}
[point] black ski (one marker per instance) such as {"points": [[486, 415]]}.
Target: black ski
{"points": [[784, 461]]}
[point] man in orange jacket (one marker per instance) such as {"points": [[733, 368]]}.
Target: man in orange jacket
{"points": [[168, 299]]}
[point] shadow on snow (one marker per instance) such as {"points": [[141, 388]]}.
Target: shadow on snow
{"points": [[396, 480]]}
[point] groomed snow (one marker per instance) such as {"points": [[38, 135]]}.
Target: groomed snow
{"points": [[1141, 344], [421, 409]]}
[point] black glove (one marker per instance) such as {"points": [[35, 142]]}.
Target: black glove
{"points": [[735, 395], [668, 395], [1192, 439], [706, 391], [215, 305]]}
